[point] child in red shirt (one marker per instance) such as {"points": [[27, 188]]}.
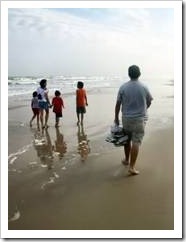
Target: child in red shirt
{"points": [[58, 104], [81, 101]]}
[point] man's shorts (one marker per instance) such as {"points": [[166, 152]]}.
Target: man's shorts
{"points": [[43, 105], [81, 110], [134, 128]]}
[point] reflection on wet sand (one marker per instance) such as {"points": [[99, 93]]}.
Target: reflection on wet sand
{"points": [[44, 148], [60, 145], [83, 143]]}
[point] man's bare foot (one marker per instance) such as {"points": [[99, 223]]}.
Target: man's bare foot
{"points": [[133, 171], [125, 162]]}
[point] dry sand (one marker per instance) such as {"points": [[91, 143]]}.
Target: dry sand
{"points": [[50, 187]]}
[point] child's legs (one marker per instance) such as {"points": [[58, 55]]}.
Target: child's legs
{"points": [[38, 119], [33, 117], [57, 120], [83, 111], [41, 116], [78, 116], [46, 116], [35, 112], [82, 116]]}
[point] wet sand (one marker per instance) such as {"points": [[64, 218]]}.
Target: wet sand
{"points": [[55, 183]]}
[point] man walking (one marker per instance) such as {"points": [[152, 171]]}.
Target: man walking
{"points": [[135, 99]]}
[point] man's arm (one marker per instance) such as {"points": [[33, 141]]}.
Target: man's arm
{"points": [[117, 110], [149, 98], [148, 103]]}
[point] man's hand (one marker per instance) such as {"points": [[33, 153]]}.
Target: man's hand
{"points": [[116, 121], [117, 109]]}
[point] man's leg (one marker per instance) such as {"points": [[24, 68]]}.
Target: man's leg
{"points": [[133, 157], [127, 150]]}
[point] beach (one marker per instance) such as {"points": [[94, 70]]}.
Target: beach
{"points": [[72, 179]]}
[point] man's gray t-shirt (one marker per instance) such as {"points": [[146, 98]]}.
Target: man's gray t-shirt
{"points": [[134, 97]]}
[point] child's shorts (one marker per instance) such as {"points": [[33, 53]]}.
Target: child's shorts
{"points": [[59, 115], [43, 105], [35, 111], [81, 110]]}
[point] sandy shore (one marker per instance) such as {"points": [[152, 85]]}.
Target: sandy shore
{"points": [[55, 183]]}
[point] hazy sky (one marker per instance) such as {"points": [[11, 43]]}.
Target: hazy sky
{"points": [[90, 41]]}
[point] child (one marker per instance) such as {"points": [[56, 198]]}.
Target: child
{"points": [[81, 101], [35, 108], [57, 103]]}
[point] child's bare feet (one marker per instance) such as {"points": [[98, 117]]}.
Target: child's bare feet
{"points": [[133, 171], [125, 162]]}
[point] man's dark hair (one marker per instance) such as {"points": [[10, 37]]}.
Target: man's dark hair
{"points": [[80, 85], [134, 72]]}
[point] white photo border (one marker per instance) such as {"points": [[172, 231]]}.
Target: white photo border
{"points": [[177, 232]]}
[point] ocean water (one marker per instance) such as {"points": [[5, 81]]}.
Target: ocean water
{"points": [[161, 112], [21, 86]]}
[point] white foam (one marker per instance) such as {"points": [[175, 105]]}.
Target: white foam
{"points": [[56, 175], [16, 216], [12, 160], [19, 152]]}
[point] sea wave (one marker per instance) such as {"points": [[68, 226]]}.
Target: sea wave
{"points": [[67, 84]]}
